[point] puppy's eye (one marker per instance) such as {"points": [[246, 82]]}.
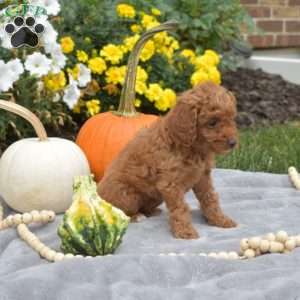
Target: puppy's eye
{"points": [[212, 123]]}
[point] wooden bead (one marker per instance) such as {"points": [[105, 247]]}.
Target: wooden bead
{"points": [[254, 242], [297, 240], [50, 255], [244, 245], [39, 247], [44, 251], [233, 255], [59, 256], [249, 253], [27, 218], [222, 255], [10, 221], [286, 251], [51, 215], [17, 219], [45, 216], [69, 255], [290, 244], [4, 224], [276, 247], [264, 246], [21, 229], [212, 254], [257, 252], [294, 177], [35, 244], [270, 237], [36, 217], [281, 236]]}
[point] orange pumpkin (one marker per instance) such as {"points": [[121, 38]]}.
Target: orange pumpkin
{"points": [[103, 136]]}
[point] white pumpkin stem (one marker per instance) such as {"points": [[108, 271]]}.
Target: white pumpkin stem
{"points": [[27, 115], [126, 106]]}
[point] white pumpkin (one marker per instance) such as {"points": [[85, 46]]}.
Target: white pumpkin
{"points": [[37, 173]]}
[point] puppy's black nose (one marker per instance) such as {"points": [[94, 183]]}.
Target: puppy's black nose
{"points": [[231, 143]]}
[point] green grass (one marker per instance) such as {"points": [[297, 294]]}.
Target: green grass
{"points": [[271, 149]]}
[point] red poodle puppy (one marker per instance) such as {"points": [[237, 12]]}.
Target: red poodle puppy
{"points": [[174, 155]]}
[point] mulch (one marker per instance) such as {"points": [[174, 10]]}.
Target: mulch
{"points": [[263, 98]]}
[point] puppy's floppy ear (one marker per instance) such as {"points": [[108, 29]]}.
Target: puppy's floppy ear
{"points": [[181, 124]]}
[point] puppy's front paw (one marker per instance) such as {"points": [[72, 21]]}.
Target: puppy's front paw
{"points": [[224, 222], [187, 232]]}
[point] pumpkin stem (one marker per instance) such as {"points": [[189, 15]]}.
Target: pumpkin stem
{"points": [[126, 106], [27, 115]]}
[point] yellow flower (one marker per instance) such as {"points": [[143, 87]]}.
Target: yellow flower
{"points": [[149, 21], [129, 42], [156, 12], [93, 107], [136, 28], [170, 96], [166, 101], [137, 103], [174, 45], [112, 53], [140, 87], [214, 75], [67, 44], [126, 11], [115, 75], [74, 72], [97, 65], [82, 56], [148, 51], [141, 74], [162, 104], [160, 38], [55, 82], [167, 51], [189, 54], [204, 62], [214, 55], [199, 77], [154, 92]]}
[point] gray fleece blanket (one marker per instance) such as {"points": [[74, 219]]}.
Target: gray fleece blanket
{"points": [[259, 202]]}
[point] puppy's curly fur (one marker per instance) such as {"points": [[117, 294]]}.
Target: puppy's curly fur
{"points": [[174, 155]]}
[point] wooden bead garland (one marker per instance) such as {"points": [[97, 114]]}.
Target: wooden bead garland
{"points": [[294, 177], [270, 243], [249, 248]]}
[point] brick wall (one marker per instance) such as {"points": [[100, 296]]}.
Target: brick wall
{"points": [[280, 21]]}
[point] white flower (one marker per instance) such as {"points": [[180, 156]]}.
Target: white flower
{"points": [[6, 77], [38, 64], [72, 94], [52, 6], [49, 36], [4, 38], [84, 76], [16, 67], [58, 59]]}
